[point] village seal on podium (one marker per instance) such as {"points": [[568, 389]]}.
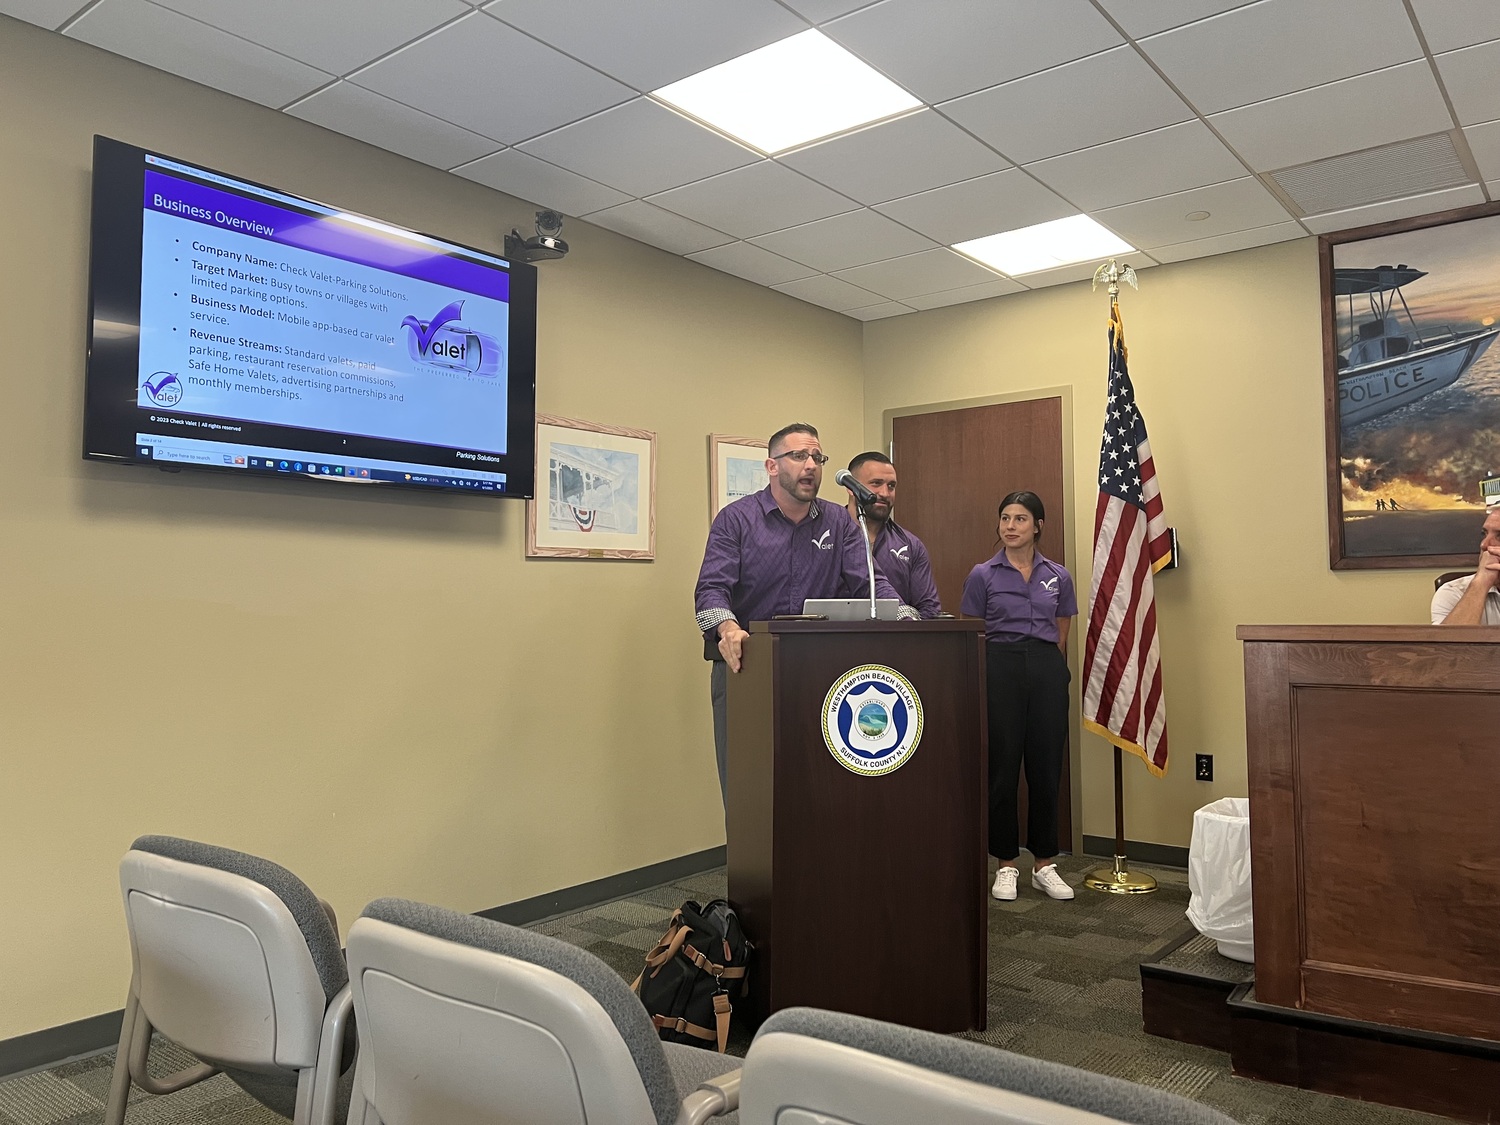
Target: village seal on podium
{"points": [[872, 720]]}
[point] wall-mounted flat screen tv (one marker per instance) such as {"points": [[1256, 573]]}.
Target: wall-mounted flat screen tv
{"points": [[239, 328]]}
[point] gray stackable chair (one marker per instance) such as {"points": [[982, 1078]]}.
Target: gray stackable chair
{"points": [[235, 960], [466, 1021], [807, 1065]]}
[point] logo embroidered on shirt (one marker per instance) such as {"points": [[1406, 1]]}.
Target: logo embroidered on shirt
{"points": [[1049, 583], [823, 542], [900, 552]]}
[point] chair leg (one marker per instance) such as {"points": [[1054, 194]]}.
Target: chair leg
{"points": [[119, 1083]]}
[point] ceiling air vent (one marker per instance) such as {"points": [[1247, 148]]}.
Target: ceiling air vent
{"points": [[1373, 175]]}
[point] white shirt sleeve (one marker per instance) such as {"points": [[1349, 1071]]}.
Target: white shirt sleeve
{"points": [[1448, 596]]}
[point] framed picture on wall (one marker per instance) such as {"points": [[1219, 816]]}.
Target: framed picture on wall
{"points": [[1411, 376], [736, 467], [595, 492]]}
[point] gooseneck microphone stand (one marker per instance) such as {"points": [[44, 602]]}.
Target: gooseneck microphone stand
{"points": [[864, 534]]}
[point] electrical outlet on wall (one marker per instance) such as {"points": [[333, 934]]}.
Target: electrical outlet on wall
{"points": [[1203, 769]]}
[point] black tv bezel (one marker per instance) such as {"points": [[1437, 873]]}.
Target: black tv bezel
{"points": [[112, 416]]}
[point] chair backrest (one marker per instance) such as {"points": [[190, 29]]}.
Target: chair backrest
{"points": [[1448, 576], [807, 1065], [233, 956], [468, 1021]]}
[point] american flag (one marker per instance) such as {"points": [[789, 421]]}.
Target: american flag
{"points": [[1122, 695]]}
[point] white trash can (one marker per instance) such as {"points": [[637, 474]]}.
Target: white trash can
{"points": [[1219, 876]]}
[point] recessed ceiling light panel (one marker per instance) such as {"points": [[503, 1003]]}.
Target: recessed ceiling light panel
{"points": [[1045, 246], [789, 93]]}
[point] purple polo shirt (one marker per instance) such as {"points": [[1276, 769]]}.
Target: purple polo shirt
{"points": [[1014, 609], [902, 558], [759, 564]]}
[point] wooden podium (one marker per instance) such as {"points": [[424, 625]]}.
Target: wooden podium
{"points": [[863, 894]]}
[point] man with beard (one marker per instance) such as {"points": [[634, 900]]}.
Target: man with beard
{"points": [[899, 554], [1474, 599], [768, 553]]}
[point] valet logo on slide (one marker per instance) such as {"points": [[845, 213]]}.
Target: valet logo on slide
{"points": [[872, 720], [444, 343], [163, 388]]}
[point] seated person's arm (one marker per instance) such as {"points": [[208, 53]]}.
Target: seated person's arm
{"points": [[1468, 609]]}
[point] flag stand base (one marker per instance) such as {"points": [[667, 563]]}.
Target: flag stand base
{"points": [[1120, 880]]}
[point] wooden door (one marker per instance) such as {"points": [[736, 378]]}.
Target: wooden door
{"points": [[954, 466]]}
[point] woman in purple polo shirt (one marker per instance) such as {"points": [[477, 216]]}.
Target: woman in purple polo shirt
{"points": [[1027, 603]]}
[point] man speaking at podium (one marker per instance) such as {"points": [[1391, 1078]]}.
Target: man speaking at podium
{"points": [[1475, 598], [768, 553]]}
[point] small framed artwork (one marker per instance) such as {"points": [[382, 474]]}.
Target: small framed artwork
{"points": [[595, 492], [736, 467], [1411, 311]]}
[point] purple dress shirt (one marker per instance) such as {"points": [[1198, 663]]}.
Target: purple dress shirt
{"points": [[902, 558], [1015, 609], [759, 564]]}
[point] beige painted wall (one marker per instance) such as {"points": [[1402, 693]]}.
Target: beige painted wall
{"points": [[377, 691], [1225, 355]]}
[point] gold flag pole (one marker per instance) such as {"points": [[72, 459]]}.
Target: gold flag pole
{"points": [[1119, 879]]}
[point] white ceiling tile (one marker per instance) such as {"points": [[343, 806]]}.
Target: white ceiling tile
{"points": [[1457, 23], [752, 263], [367, 116], [829, 292], [1469, 75], [525, 177], [1000, 287], [928, 272], [902, 157], [1168, 160], [641, 147], [851, 239], [819, 10], [1484, 143], [1408, 208], [1140, 18], [939, 49], [332, 35], [880, 311], [50, 14], [152, 35], [645, 223], [492, 80], [1336, 118], [1272, 48], [1066, 108], [1236, 205], [988, 205], [754, 200], [1228, 243], [1080, 271], [652, 44]]}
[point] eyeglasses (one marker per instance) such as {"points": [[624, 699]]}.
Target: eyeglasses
{"points": [[801, 455]]}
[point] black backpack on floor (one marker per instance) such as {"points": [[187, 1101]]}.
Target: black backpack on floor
{"points": [[686, 983]]}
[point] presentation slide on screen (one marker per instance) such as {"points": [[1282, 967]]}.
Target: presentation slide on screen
{"points": [[260, 313]]}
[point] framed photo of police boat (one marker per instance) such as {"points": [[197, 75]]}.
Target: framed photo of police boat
{"points": [[1411, 384]]}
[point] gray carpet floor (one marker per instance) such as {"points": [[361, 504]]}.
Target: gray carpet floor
{"points": [[1063, 985]]}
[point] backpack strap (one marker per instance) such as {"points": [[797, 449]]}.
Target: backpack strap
{"points": [[721, 1018], [698, 959]]}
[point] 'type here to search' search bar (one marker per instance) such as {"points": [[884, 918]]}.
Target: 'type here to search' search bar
{"points": [[193, 456]]}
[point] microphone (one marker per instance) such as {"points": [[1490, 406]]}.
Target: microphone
{"points": [[861, 493]]}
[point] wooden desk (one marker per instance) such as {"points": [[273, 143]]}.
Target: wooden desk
{"points": [[1374, 761]]}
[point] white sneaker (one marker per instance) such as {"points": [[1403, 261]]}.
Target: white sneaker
{"points": [[1005, 884], [1048, 880]]}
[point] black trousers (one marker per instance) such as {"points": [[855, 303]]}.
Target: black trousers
{"points": [[1028, 722]]}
